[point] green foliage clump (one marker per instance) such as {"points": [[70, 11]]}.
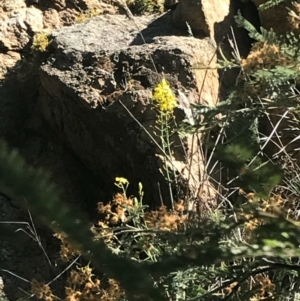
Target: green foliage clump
{"points": [[85, 15], [145, 6], [40, 42], [184, 257]]}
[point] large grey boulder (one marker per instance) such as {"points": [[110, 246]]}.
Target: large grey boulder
{"points": [[97, 66]]}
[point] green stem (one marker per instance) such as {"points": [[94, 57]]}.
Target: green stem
{"points": [[166, 146]]}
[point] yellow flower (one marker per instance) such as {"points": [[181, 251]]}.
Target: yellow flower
{"points": [[164, 96], [120, 180], [40, 42]]}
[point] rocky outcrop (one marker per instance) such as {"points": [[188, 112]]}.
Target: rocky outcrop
{"points": [[93, 74], [214, 19], [20, 20], [90, 70], [201, 15]]}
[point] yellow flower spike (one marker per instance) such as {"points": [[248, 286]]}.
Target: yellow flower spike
{"points": [[165, 97], [141, 192], [121, 180]]}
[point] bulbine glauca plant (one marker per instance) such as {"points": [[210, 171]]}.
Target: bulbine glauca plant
{"points": [[165, 103], [128, 227], [165, 98], [122, 183]]}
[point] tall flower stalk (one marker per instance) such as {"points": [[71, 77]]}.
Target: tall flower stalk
{"points": [[165, 101]]}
